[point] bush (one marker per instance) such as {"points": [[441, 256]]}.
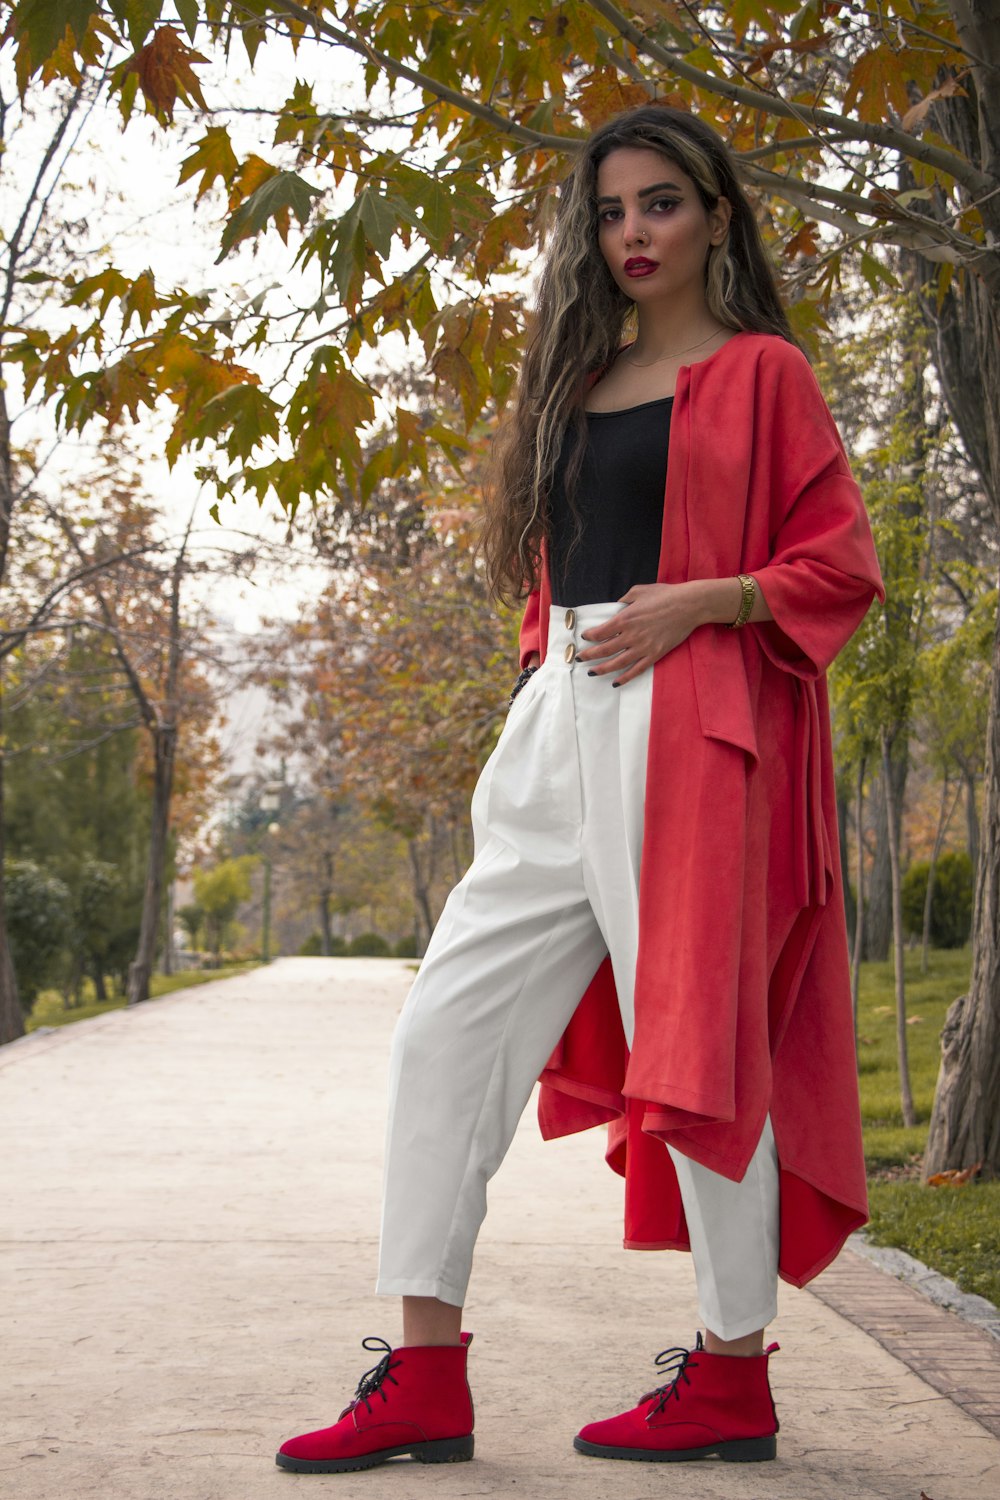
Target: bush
{"points": [[39, 926], [313, 946], [369, 945], [406, 947], [951, 904]]}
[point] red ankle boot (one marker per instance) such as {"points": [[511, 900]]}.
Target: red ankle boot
{"points": [[716, 1404], [415, 1401]]}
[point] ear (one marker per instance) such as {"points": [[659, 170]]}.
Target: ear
{"points": [[718, 220]]}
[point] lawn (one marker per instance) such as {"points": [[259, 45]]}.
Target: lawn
{"points": [[49, 1010], [955, 1230]]}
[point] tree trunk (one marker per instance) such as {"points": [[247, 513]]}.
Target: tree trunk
{"points": [[843, 819], [11, 1015], [421, 895], [878, 921], [859, 906], [168, 936], [965, 1121], [141, 969], [972, 826], [323, 902], [905, 1092], [944, 821]]}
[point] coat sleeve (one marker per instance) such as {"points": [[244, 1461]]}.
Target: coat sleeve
{"points": [[822, 572]]}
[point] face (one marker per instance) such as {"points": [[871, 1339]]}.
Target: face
{"points": [[653, 229]]}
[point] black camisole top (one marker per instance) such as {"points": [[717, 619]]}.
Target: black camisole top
{"points": [[619, 496]]}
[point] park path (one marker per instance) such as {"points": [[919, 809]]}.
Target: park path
{"points": [[190, 1208]]}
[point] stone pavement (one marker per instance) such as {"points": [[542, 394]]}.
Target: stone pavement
{"points": [[190, 1209]]}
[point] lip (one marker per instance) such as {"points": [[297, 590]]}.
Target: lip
{"points": [[640, 266]]}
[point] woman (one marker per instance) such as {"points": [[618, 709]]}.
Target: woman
{"points": [[672, 704]]}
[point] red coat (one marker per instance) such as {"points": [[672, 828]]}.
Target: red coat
{"points": [[742, 997]]}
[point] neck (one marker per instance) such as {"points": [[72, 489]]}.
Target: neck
{"points": [[663, 330]]}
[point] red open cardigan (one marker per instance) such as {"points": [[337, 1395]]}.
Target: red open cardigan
{"points": [[742, 998]]}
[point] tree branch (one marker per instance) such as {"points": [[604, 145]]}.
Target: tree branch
{"points": [[888, 136]]}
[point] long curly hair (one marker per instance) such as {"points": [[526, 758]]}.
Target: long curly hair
{"points": [[582, 318]]}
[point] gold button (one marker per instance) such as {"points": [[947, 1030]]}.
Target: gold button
{"points": [[570, 652], [570, 619]]}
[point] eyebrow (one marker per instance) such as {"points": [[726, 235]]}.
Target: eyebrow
{"points": [[657, 187]]}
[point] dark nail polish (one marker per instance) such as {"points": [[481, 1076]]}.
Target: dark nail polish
{"points": [[591, 673], [616, 684]]}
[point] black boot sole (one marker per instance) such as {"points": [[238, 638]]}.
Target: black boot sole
{"points": [[741, 1451], [444, 1451]]}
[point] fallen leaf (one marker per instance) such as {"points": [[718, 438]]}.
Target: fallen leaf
{"points": [[914, 1020], [954, 1176]]}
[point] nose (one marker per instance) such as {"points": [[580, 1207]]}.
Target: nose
{"points": [[633, 229]]}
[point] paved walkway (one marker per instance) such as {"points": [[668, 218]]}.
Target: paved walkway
{"points": [[190, 1203]]}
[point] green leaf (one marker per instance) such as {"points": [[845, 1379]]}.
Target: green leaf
{"points": [[137, 17], [379, 220], [43, 24], [280, 195], [875, 272], [188, 12]]}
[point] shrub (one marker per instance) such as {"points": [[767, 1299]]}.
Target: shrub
{"points": [[951, 903], [312, 945], [39, 926], [368, 945], [406, 947]]}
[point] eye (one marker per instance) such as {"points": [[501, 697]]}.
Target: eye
{"points": [[608, 215], [664, 205]]}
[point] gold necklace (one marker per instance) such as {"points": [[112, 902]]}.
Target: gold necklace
{"points": [[648, 364]]}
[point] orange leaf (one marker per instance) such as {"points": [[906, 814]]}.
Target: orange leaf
{"points": [[803, 242], [877, 82], [954, 1176], [947, 90]]}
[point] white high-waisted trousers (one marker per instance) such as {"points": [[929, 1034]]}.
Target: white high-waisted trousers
{"points": [[557, 816]]}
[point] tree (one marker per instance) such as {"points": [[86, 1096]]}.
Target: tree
{"points": [[219, 892], [38, 916], [860, 128]]}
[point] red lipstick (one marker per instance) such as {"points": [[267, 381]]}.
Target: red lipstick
{"points": [[639, 266]]}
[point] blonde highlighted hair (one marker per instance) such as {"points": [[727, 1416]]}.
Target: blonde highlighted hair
{"points": [[582, 318]]}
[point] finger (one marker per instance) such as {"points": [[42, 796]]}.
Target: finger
{"points": [[616, 665], [636, 670], [602, 650], [605, 632]]}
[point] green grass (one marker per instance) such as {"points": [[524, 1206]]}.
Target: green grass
{"points": [[955, 1230], [49, 1010]]}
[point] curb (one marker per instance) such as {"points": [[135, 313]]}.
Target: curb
{"points": [[970, 1307]]}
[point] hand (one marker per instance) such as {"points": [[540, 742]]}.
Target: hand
{"points": [[657, 617]]}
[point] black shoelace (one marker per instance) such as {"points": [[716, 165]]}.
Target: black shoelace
{"points": [[372, 1380], [673, 1362]]}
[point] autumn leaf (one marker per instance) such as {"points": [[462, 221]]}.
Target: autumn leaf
{"points": [[954, 1176], [877, 82], [213, 157], [604, 93], [39, 26], [803, 242], [164, 70], [946, 90]]}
